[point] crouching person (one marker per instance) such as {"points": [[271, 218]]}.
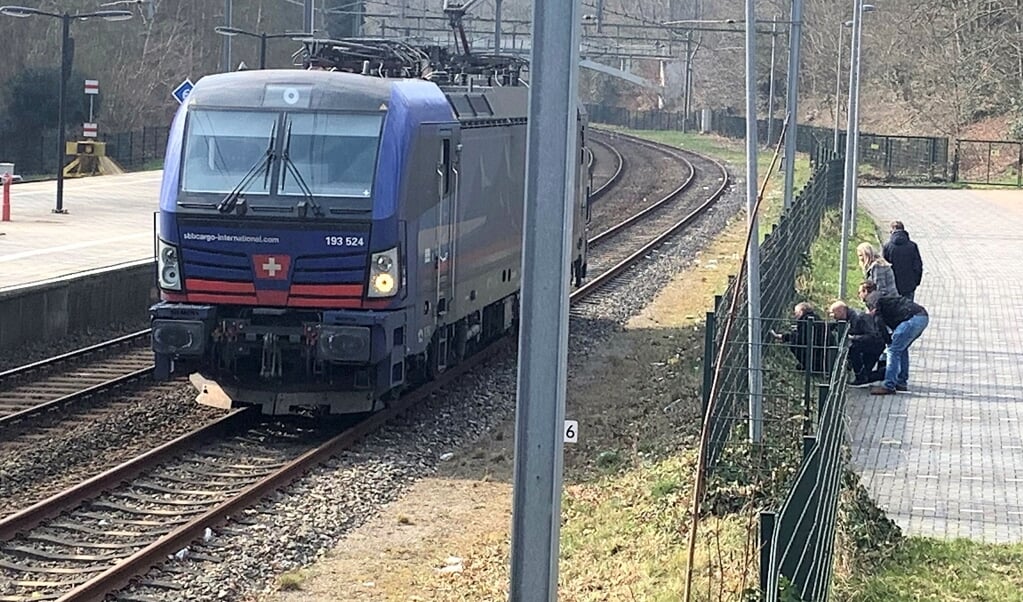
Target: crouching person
{"points": [[808, 339], [866, 343]]}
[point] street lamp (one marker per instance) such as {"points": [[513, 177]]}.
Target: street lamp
{"points": [[66, 59], [852, 139], [262, 37], [867, 8]]}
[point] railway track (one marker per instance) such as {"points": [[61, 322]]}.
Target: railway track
{"points": [[60, 381], [96, 537], [614, 158]]}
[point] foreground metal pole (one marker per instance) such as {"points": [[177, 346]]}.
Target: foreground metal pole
{"points": [[792, 102], [543, 329], [770, 92], [851, 146], [756, 407]]}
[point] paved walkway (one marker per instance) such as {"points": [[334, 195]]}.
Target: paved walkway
{"points": [[109, 221], [946, 459]]}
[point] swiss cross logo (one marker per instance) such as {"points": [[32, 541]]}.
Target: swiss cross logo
{"points": [[271, 267]]}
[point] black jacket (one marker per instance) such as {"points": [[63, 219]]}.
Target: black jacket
{"points": [[904, 256], [893, 310], [866, 328], [811, 341]]}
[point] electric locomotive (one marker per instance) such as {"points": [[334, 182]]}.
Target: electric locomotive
{"points": [[327, 238]]}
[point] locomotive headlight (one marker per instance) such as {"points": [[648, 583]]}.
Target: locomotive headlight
{"points": [[383, 273], [167, 266], [383, 284]]}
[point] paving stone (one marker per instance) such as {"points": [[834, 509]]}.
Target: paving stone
{"points": [[946, 459], [109, 222]]}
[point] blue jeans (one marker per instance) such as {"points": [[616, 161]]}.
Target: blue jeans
{"points": [[897, 370]]}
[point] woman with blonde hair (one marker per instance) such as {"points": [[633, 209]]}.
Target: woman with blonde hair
{"points": [[877, 270]]}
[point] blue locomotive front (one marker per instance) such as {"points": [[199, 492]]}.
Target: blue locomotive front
{"points": [[282, 254]]}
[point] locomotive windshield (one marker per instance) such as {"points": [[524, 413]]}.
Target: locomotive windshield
{"points": [[223, 146], [334, 153]]}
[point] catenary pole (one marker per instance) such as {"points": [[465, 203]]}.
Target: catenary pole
{"points": [[308, 15], [756, 408], [228, 16], [838, 83], [497, 25], [543, 331], [770, 88], [851, 146], [792, 102]]}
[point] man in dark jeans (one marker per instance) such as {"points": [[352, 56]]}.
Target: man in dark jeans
{"points": [[907, 321], [904, 256], [866, 342]]}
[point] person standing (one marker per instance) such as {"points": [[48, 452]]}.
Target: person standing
{"points": [[876, 268], [907, 320], [904, 256]]}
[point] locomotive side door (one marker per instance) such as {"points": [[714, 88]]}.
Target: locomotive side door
{"points": [[447, 220]]}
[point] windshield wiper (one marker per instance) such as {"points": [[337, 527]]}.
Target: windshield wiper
{"points": [[228, 203], [289, 165]]}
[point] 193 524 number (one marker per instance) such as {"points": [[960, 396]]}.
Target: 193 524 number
{"points": [[345, 241]]}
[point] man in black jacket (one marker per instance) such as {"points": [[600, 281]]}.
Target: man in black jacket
{"points": [[907, 320], [904, 256], [808, 339], [866, 342]]}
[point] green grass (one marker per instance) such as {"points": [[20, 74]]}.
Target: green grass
{"points": [[942, 571], [820, 284]]}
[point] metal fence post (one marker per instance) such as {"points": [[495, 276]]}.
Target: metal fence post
{"points": [[987, 180], [808, 442], [1019, 165], [768, 520], [708, 358]]}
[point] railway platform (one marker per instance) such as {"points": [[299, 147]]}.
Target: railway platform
{"points": [[946, 459], [109, 222]]}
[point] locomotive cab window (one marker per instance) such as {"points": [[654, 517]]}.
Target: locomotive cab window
{"points": [[336, 154], [223, 146]]}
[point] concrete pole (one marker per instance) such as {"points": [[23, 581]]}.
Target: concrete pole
{"points": [[770, 93], [756, 408], [543, 331], [792, 103], [851, 146]]}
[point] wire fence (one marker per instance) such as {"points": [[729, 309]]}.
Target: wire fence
{"points": [[992, 162], [137, 149], [787, 484], [883, 158]]}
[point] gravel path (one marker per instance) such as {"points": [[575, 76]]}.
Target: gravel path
{"points": [[312, 515]]}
